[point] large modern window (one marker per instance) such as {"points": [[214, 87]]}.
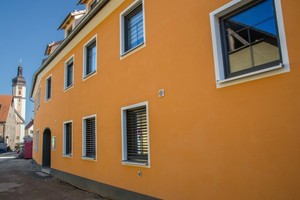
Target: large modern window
{"points": [[67, 139], [132, 27], [247, 40], [135, 134], [89, 137], [69, 73], [90, 58], [48, 88]]}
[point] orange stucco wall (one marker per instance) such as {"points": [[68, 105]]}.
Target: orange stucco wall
{"points": [[237, 142]]}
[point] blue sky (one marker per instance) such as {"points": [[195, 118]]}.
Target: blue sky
{"points": [[27, 26], [255, 15]]}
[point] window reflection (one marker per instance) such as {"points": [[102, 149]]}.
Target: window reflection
{"points": [[251, 39]]}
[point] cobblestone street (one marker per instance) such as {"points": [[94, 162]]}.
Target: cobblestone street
{"points": [[19, 179]]}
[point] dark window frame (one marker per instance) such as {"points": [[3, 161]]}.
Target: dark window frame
{"points": [[69, 30], [69, 71], [135, 135], [48, 88], [90, 57], [225, 52], [89, 137], [127, 17], [68, 134]]}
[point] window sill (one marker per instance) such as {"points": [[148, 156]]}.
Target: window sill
{"points": [[68, 88], [278, 69], [47, 100], [67, 155], [88, 158], [135, 164], [89, 75], [132, 50]]}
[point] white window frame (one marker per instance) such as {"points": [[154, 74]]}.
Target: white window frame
{"points": [[46, 97], [130, 8], [221, 81], [65, 140], [124, 135], [71, 59], [85, 46], [84, 157]]}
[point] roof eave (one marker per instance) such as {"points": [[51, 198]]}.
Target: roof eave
{"points": [[63, 24], [88, 17]]}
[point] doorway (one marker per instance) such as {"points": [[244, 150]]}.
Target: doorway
{"points": [[46, 148]]}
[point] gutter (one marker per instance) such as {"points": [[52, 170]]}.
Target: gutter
{"points": [[86, 19]]}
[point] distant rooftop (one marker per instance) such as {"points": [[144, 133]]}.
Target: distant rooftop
{"points": [[69, 17], [5, 104]]}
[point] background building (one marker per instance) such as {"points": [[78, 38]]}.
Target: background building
{"points": [[8, 121], [19, 95]]}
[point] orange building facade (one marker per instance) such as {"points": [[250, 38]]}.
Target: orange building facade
{"points": [[174, 100]]}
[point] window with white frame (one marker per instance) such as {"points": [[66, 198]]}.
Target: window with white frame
{"points": [[135, 134], [248, 41], [89, 137], [90, 58], [69, 73], [67, 138], [48, 88], [132, 27]]}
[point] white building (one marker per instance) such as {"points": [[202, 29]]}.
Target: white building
{"points": [[19, 96]]}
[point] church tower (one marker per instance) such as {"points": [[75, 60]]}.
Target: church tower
{"points": [[19, 95]]}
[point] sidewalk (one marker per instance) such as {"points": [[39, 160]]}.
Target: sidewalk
{"points": [[19, 179]]}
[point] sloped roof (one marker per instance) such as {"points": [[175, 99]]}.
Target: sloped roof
{"points": [[82, 24], [5, 104], [70, 17], [19, 79], [82, 2], [49, 47]]}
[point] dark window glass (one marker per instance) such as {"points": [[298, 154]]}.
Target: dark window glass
{"points": [[134, 28], [68, 138], [137, 135], [250, 39], [69, 75], [90, 58], [48, 92], [69, 31], [90, 137]]}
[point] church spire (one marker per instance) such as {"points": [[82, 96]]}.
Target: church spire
{"points": [[19, 79], [20, 70]]}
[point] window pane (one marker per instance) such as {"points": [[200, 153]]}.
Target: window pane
{"points": [[69, 76], [68, 138], [48, 88], [90, 138], [134, 28], [91, 58], [137, 134], [252, 38]]}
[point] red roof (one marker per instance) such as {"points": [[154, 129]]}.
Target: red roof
{"points": [[5, 104]]}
